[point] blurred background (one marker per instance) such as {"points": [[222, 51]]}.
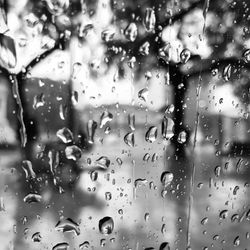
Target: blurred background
{"points": [[124, 124]]}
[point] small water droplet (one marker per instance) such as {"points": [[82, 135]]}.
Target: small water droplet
{"points": [[84, 245], [30, 198], [144, 49], [67, 225], [76, 69], [182, 137], [223, 214], [91, 128], [105, 117], [36, 237], [108, 35], [38, 101], [164, 246], [143, 94], [61, 246], [246, 55], [227, 72], [131, 32], [57, 7], [237, 241], [131, 121], [217, 171], [167, 128], [149, 20], [2, 206]]}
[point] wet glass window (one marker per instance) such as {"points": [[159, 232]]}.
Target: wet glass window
{"points": [[124, 124]]}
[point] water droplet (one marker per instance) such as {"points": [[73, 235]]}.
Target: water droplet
{"points": [[217, 171], [28, 169], [223, 214], [246, 55], [146, 157], [185, 55], [30, 198], [204, 221], [73, 152], [131, 62], [119, 161], [84, 245], [62, 111], [154, 157], [36, 237], [131, 32], [140, 182], [106, 225], [108, 196], [237, 241], [65, 135], [151, 134], [164, 246], [129, 139], [236, 188], [108, 35], [227, 72], [182, 137], [103, 162], [91, 128], [149, 20], [38, 101], [144, 49], [166, 178], [131, 121], [143, 94], [102, 242], [105, 117], [93, 175], [61, 246], [76, 69], [167, 128], [67, 225], [2, 206], [146, 217]]}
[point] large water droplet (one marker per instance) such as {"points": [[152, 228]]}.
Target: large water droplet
{"points": [[129, 139], [131, 32], [105, 117], [28, 169], [144, 49], [65, 135], [182, 137], [61, 246], [106, 225], [166, 178], [108, 35], [67, 225], [73, 152], [149, 20], [103, 162], [30, 198], [151, 134], [185, 55], [246, 55]]}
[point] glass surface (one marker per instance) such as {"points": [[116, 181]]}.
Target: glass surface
{"points": [[124, 124]]}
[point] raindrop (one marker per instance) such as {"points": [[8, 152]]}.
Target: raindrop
{"points": [[223, 214], [146, 157], [30, 198], [28, 169], [36, 237], [154, 157], [93, 175], [38, 101], [237, 241], [129, 139], [76, 69], [227, 72], [61, 246], [62, 111], [144, 49], [146, 217], [91, 128], [166, 178], [143, 94], [140, 182], [167, 128], [149, 20], [182, 137], [185, 55], [235, 190], [107, 35], [204, 221], [151, 134], [103, 162], [131, 32], [102, 242], [108, 196], [131, 121], [131, 62], [106, 225], [84, 245], [119, 161], [105, 117], [73, 152], [65, 135], [246, 55], [67, 225], [2, 206], [164, 246], [217, 171]]}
